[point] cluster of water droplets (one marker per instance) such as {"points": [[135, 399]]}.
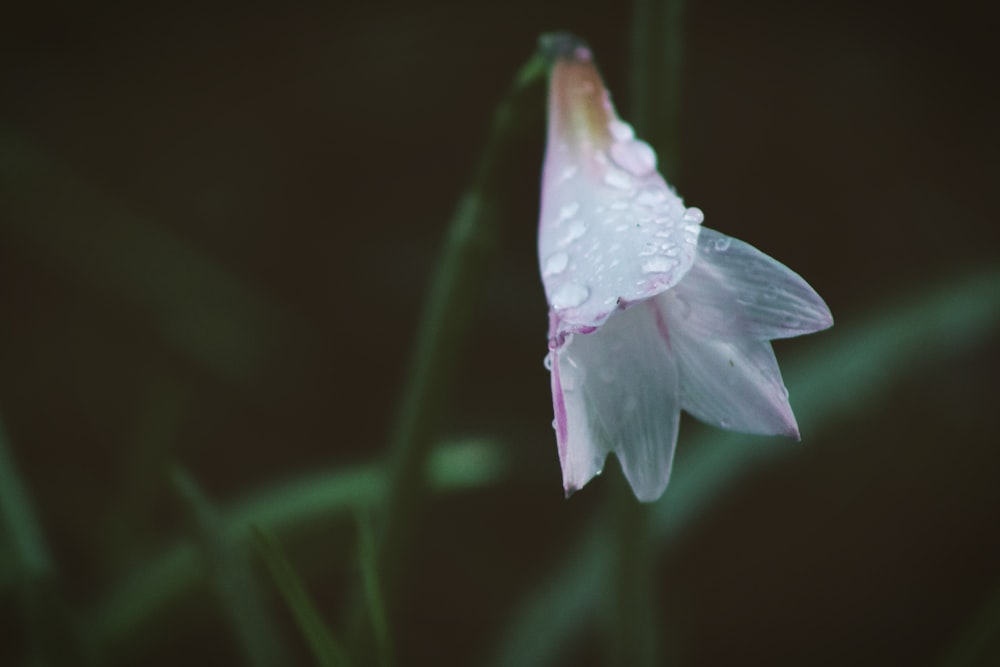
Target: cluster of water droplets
{"points": [[613, 229]]}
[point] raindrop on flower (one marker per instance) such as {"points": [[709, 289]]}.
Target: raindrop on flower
{"points": [[635, 157], [556, 263], [574, 230], [722, 243], [659, 264], [693, 215], [568, 210], [570, 295], [621, 130], [618, 179]]}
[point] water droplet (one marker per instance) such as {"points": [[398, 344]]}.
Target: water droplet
{"points": [[568, 210], [693, 215], [658, 264], [635, 156], [620, 130], [650, 196], [554, 424], [570, 295], [556, 263], [569, 172], [784, 391], [722, 244], [547, 361], [574, 230], [724, 423], [618, 179]]}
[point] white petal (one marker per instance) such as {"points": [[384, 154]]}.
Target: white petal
{"points": [[619, 392], [735, 291], [611, 230], [732, 384]]}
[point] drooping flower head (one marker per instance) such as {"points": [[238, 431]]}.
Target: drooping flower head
{"points": [[649, 312]]}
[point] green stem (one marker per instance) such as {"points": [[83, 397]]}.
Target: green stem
{"points": [[632, 620], [656, 64], [453, 295], [656, 70]]}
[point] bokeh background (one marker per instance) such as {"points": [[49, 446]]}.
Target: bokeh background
{"points": [[217, 225]]}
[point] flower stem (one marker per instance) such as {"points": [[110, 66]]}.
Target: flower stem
{"points": [[447, 317], [656, 69], [657, 59], [632, 612]]}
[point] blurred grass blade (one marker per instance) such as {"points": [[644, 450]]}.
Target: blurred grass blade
{"points": [[368, 559], [979, 644], [326, 649], [851, 368], [53, 634], [447, 316], [229, 567], [285, 507], [19, 522]]}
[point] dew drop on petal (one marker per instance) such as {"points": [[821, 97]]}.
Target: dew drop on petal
{"points": [[650, 196], [658, 264], [618, 179], [620, 130], [568, 210], [556, 263], [547, 361], [693, 216], [569, 172], [570, 295], [574, 230], [722, 243], [634, 156]]}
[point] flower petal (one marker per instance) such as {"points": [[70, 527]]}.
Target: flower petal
{"points": [[731, 384], [611, 230], [735, 291], [616, 390]]}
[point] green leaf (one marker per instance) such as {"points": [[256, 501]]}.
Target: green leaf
{"points": [[165, 580], [326, 649], [228, 561]]}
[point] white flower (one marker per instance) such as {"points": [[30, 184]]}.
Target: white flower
{"points": [[650, 313]]}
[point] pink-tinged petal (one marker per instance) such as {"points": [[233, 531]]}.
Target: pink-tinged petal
{"points": [[612, 231], [732, 384], [735, 291], [616, 390]]}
